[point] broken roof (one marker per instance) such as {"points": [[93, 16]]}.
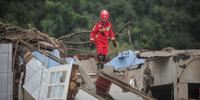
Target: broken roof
{"points": [[168, 53]]}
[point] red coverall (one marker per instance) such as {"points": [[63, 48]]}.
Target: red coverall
{"points": [[101, 38]]}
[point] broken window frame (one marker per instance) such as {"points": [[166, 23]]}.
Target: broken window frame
{"points": [[66, 70]]}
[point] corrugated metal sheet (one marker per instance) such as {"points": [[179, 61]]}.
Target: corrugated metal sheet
{"points": [[6, 75], [165, 53]]}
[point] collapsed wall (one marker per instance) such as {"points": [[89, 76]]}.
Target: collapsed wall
{"points": [[23, 42]]}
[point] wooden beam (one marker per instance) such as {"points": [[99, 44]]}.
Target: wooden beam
{"points": [[124, 85]]}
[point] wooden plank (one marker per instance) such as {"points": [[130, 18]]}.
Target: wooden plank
{"points": [[125, 85], [89, 84]]}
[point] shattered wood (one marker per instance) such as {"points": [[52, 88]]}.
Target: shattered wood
{"points": [[9, 33], [24, 42], [124, 85]]}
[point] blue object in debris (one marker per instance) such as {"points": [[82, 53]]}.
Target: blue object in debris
{"points": [[46, 60], [70, 60], [56, 53], [125, 59]]}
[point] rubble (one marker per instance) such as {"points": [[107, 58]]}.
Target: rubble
{"points": [[38, 69], [34, 66], [28, 37], [24, 42], [174, 73], [118, 89]]}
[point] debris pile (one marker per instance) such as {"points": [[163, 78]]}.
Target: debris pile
{"points": [[29, 37], [24, 42], [42, 73]]}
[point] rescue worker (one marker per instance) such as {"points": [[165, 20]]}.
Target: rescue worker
{"points": [[99, 37]]}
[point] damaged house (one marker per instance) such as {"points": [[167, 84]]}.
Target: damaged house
{"points": [[34, 66], [168, 74], [18, 47], [173, 74]]}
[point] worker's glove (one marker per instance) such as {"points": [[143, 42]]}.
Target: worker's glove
{"points": [[114, 43], [117, 36], [92, 45]]}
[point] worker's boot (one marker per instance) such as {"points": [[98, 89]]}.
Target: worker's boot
{"points": [[100, 65], [104, 59], [100, 59]]}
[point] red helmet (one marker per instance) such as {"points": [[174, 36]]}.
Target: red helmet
{"points": [[104, 14]]}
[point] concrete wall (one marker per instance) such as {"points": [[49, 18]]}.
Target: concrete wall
{"points": [[135, 78], [166, 71], [162, 71], [6, 74], [191, 74], [188, 75]]}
